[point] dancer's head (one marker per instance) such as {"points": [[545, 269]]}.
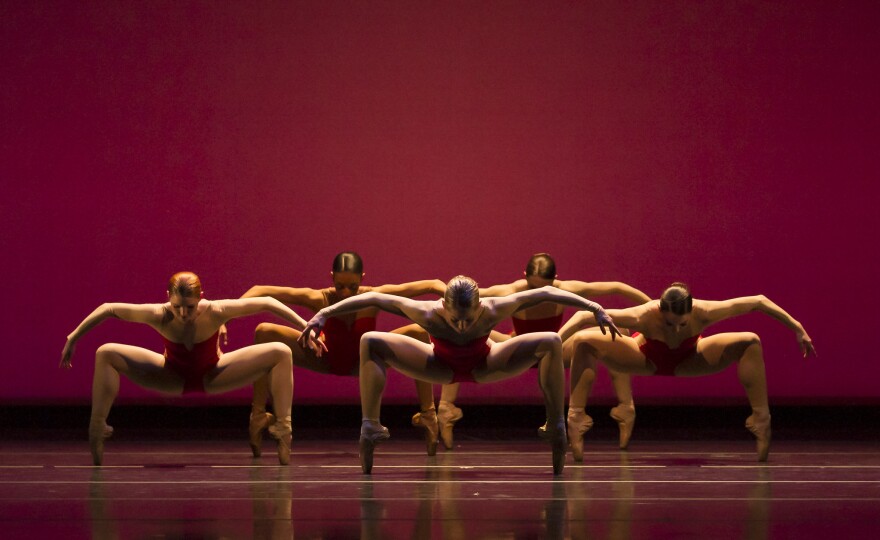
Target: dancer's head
{"points": [[676, 304], [541, 270], [347, 274], [462, 302], [184, 293]]}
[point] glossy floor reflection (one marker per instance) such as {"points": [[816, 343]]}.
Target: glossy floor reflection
{"points": [[481, 490]]}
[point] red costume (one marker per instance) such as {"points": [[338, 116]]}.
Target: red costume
{"points": [[343, 343], [547, 324], [664, 358], [528, 326], [462, 359], [193, 364]]}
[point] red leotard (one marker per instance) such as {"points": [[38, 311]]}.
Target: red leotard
{"points": [[664, 358], [343, 343], [462, 359], [193, 364], [528, 326], [547, 324]]}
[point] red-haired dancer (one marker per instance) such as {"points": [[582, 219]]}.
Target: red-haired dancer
{"points": [[192, 361]]}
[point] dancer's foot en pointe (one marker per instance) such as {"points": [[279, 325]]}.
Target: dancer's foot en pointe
{"points": [[372, 433], [258, 422], [557, 438], [99, 431], [759, 425], [579, 422], [427, 420], [282, 431], [447, 416], [625, 416]]}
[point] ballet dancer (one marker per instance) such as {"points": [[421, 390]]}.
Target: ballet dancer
{"points": [[667, 341], [192, 361], [459, 326], [341, 336], [540, 271]]}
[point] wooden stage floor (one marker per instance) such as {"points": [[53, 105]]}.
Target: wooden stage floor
{"points": [[481, 490]]}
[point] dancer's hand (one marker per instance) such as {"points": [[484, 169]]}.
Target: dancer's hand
{"points": [[309, 337], [317, 345], [67, 354], [806, 345], [224, 335], [603, 320]]}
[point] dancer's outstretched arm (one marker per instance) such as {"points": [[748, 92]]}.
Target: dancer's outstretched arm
{"points": [[505, 306], [604, 288], [297, 296], [412, 288], [716, 311], [151, 314], [416, 310], [629, 318], [503, 290]]}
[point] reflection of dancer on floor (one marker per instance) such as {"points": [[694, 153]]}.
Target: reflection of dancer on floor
{"points": [[540, 272], [192, 361], [342, 335], [459, 327], [667, 341]]}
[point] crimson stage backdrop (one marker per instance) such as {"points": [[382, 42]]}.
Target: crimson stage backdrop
{"points": [[730, 145]]}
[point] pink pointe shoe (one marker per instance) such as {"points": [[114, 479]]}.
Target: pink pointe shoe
{"points": [[626, 419], [447, 416], [98, 433], [760, 428], [427, 420], [282, 431], [579, 423], [258, 423]]}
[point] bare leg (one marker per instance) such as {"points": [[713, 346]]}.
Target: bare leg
{"points": [[260, 419], [448, 414], [426, 418], [715, 353], [143, 367], [586, 348], [244, 366], [411, 357], [517, 355], [625, 412]]}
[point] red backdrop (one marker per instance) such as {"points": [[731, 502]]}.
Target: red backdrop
{"points": [[731, 145]]}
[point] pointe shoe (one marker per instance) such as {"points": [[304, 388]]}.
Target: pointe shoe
{"points": [[258, 423], [97, 436], [557, 438], [427, 420], [626, 419], [761, 430], [282, 431], [447, 416], [578, 424], [371, 435]]}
